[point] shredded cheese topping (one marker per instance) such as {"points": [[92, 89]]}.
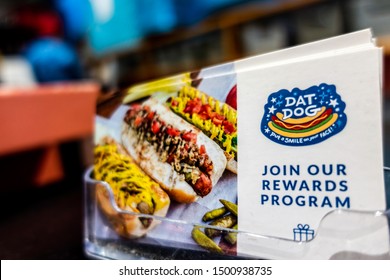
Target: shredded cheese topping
{"points": [[130, 185]]}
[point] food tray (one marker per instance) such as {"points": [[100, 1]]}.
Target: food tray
{"points": [[356, 229]]}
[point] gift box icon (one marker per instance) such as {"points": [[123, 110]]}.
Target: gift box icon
{"points": [[303, 233]]}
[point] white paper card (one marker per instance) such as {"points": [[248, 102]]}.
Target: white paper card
{"points": [[309, 139]]}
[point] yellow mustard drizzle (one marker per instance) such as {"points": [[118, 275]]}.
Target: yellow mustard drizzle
{"points": [[217, 107], [203, 99], [210, 101], [215, 132], [221, 133], [119, 170]]}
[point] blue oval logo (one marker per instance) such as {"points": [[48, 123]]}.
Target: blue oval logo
{"points": [[303, 117]]}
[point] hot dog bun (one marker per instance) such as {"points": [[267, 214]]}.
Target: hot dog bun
{"points": [[132, 189], [150, 160]]}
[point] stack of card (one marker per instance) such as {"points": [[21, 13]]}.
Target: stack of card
{"points": [[293, 139], [310, 139]]}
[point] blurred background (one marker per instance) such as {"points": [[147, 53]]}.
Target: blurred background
{"points": [[61, 58]]}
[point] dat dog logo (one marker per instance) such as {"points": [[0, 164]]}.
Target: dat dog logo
{"points": [[303, 117]]}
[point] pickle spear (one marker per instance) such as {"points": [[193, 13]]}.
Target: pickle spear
{"points": [[165, 85], [214, 214], [232, 207], [231, 237], [226, 222], [205, 242]]}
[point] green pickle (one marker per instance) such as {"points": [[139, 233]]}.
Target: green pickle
{"points": [[205, 242], [214, 214], [232, 207], [231, 237], [226, 222]]}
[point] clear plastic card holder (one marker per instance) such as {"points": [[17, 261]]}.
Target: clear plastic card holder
{"points": [[342, 234]]}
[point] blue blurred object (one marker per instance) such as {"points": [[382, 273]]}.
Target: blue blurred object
{"points": [[115, 25], [192, 11], [121, 24], [77, 16], [157, 16], [53, 60]]}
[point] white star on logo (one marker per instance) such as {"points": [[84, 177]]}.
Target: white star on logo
{"points": [[266, 130], [333, 102], [272, 109], [273, 99]]}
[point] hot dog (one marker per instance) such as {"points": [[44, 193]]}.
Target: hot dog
{"points": [[216, 119], [307, 126], [133, 190], [185, 162]]}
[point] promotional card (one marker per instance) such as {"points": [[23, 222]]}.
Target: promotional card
{"points": [[268, 148]]}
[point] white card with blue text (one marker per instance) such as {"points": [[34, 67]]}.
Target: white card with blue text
{"points": [[310, 139]]}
